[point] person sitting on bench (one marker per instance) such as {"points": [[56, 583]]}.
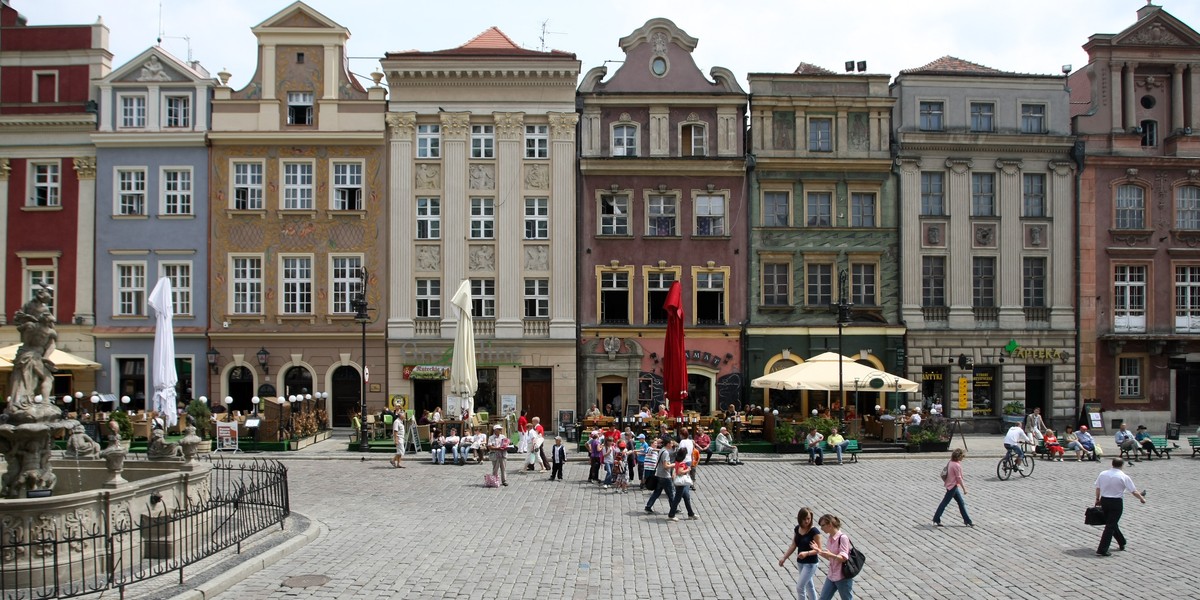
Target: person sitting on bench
{"points": [[1053, 449], [1086, 442], [1147, 444], [724, 445]]}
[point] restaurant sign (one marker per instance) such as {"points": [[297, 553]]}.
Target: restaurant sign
{"points": [[1015, 350], [426, 372], [707, 358]]}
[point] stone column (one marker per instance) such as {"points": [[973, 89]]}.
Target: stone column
{"points": [[510, 225], [1193, 92], [660, 131], [1177, 98], [563, 216], [5, 171], [958, 288], [1115, 86], [1127, 97], [1060, 202], [456, 133], [401, 224], [1009, 198], [85, 240], [910, 239]]}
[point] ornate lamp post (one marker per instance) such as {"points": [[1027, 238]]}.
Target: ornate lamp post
{"points": [[361, 317], [843, 317]]}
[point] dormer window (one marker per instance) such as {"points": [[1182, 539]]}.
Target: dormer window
{"points": [[658, 66], [133, 111], [300, 108]]}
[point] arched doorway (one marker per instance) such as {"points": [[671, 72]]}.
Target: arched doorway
{"points": [[345, 395], [700, 398], [240, 386], [297, 381]]}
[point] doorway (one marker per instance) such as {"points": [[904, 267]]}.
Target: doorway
{"points": [[536, 394], [611, 394], [241, 389], [427, 395], [1187, 394], [345, 395], [1036, 384]]}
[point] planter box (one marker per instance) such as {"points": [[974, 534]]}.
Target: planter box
{"points": [[307, 441]]}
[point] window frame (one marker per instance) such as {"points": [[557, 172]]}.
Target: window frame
{"points": [[300, 108], [1134, 215], [296, 287], [1130, 384], [357, 204], [128, 110], [979, 196], [631, 142], [699, 274], [931, 120], [1149, 131], [982, 121], [1033, 199], [482, 218], [483, 142], [305, 191], [36, 75], [139, 207], [181, 120], [254, 285], [617, 221], [483, 298], [254, 202], [869, 289], [769, 286], [983, 286], [539, 135], [929, 196], [816, 267], [670, 200], [657, 281], [432, 219], [1033, 286], [808, 205], [601, 274], [857, 216], [428, 298], [1187, 219], [693, 139], [933, 281], [171, 201], [429, 141], [1187, 314], [136, 295], [1127, 292], [817, 142], [536, 301], [537, 218], [766, 208], [1028, 118], [181, 295], [27, 281], [344, 287], [52, 185], [702, 214]]}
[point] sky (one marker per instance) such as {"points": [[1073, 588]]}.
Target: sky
{"points": [[1025, 36]]}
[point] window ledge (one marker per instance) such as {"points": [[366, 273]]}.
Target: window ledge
{"points": [[176, 217], [663, 237], [130, 217], [129, 317], [1032, 218], [334, 212], [233, 212], [940, 216], [297, 212], [765, 308], [697, 236], [309, 318], [339, 318], [254, 318], [611, 236], [28, 208]]}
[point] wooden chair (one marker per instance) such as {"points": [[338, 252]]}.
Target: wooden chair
{"points": [[372, 428]]}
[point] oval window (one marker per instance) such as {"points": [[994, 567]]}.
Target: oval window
{"points": [[659, 66]]}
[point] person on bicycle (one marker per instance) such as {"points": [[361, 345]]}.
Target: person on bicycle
{"points": [[1013, 440]]}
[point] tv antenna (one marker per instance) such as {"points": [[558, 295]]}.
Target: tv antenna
{"points": [[161, 37], [545, 32]]}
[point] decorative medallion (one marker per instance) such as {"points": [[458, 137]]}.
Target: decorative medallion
{"points": [[455, 125], [509, 126], [1036, 235], [562, 126], [402, 124], [85, 167], [152, 70], [429, 177], [934, 235], [985, 235], [659, 40]]}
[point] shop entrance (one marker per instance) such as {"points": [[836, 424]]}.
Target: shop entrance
{"points": [[1187, 394], [345, 394], [427, 395], [535, 394], [1037, 380]]}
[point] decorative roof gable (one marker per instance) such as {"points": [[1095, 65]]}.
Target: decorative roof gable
{"points": [[491, 42], [1157, 27], [951, 65], [298, 15], [658, 59], [156, 65], [811, 69]]}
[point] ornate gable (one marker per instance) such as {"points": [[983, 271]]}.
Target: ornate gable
{"points": [[155, 65], [1157, 27], [298, 15]]}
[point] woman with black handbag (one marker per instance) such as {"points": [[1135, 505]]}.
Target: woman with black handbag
{"points": [[837, 552]]}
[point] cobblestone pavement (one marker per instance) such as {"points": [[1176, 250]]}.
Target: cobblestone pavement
{"points": [[434, 532]]}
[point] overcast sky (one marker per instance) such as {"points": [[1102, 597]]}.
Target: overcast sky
{"points": [[1028, 36]]}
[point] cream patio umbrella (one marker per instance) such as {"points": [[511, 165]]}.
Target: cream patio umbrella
{"points": [[163, 360], [821, 373], [464, 381]]}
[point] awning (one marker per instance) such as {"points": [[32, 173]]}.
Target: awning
{"points": [[62, 360]]}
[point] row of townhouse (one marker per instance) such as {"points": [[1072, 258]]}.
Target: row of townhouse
{"points": [[926, 224]]}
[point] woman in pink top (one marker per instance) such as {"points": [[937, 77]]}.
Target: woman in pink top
{"points": [[955, 489], [836, 551]]}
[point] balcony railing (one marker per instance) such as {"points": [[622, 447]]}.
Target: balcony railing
{"points": [[485, 327], [536, 328], [986, 317], [935, 314], [427, 328], [1037, 317]]}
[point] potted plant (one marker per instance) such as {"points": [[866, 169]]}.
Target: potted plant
{"points": [[933, 435], [200, 412], [786, 441], [125, 426]]}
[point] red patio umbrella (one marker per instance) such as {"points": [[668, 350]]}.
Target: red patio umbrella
{"points": [[675, 376]]}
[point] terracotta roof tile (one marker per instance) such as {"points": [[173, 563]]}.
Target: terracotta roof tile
{"points": [[950, 64], [491, 38], [811, 69], [491, 42]]}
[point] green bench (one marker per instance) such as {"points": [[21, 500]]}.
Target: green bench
{"points": [[852, 448], [1195, 443], [1161, 447]]}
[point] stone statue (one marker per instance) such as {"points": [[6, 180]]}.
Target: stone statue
{"points": [[159, 448], [79, 445]]}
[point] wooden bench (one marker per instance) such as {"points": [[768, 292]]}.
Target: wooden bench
{"points": [[1161, 447], [852, 448]]}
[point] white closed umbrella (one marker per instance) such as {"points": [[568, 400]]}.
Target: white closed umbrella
{"points": [[164, 373], [464, 381]]}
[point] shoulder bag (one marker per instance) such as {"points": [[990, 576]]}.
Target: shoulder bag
{"points": [[853, 564]]}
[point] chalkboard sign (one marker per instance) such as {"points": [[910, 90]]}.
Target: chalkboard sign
{"points": [[729, 391]]}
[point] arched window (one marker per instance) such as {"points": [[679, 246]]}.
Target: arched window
{"points": [[297, 380]]}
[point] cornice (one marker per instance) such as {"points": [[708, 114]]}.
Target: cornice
{"points": [[43, 121], [879, 165], [308, 137], [140, 140], [674, 166], [663, 99]]}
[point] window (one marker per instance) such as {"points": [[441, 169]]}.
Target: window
{"points": [[45, 185], [131, 380], [1033, 287], [131, 289], [776, 206], [819, 284], [1033, 118], [820, 135], [931, 116], [247, 285], [537, 298], [429, 298], [247, 186], [483, 141], [429, 141], [983, 282], [933, 198], [693, 141], [347, 283], [710, 298], [537, 141], [658, 283], [614, 297], [537, 218], [1034, 204], [1129, 298], [429, 219], [983, 116], [179, 111], [1129, 377], [133, 111], [45, 86], [177, 191], [347, 186], [297, 186], [933, 281], [1187, 299], [180, 276], [625, 140], [297, 285], [40, 276], [862, 284], [300, 108], [483, 218], [1149, 133], [776, 284], [710, 215], [862, 210], [661, 216], [1187, 207], [131, 192], [614, 214], [983, 195], [1131, 207], [819, 209], [483, 298]]}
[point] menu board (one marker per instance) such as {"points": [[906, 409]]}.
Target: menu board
{"points": [[983, 391]]}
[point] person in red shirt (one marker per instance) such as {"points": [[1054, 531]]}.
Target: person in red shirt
{"points": [[522, 422], [1053, 448]]}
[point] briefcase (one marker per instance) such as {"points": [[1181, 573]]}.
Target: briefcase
{"points": [[1094, 515]]}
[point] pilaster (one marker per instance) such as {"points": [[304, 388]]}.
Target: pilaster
{"points": [[728, 132], [456, 131], [401, 224], [1177, 100], [562, 226], [660, 131], [1061, 203], [910, 236], [1115, 83], [85, 240], [958, 192], [510, 203], [1127, 97], [1009, 198]]}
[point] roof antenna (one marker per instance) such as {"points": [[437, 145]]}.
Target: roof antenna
{"points": [[161, 37], [542, 37]]}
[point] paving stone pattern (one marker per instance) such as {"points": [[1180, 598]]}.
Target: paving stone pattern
{"points": [[435, 532]]}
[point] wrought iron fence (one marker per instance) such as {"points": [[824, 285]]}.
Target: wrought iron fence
{"points": [[242, 500]]}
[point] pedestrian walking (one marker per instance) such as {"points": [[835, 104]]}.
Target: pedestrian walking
{"points": [[498, 444], [650, 464], [837, 551], [662, 475], [804, 536], [955, 488], [398, 438], [683, 485], [1111, 486], [559, 455], [595, 453]]}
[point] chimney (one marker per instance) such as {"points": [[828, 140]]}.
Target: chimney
{"points": [[1147, 10]]}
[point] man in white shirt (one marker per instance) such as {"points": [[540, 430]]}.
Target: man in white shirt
{"points": [[1111, 486], [398, 438], [1124, 439], [1012, 442]]}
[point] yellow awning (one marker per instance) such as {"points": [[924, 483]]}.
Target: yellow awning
{"points": [[62, 360]]}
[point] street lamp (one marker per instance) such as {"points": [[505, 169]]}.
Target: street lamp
{"points": [[263, 357], [212, 355], [361, 317], [843, 317]]}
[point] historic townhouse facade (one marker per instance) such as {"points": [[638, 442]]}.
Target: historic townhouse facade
{"points": [[1137, 113], [297, 210], [985, 181], [151, 220], [662, 200], [47, 176], [482, 190], [823, 230]]}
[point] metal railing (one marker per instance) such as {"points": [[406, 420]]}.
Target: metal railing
{"points": [[242, 500]]}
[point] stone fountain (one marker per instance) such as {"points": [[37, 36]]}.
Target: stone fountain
{"points": [[31, 421]]}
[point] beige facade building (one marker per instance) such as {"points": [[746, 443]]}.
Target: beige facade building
{"points": [[482, 189]]}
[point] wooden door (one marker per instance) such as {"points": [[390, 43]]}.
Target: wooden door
{"points": [[535, 398]]}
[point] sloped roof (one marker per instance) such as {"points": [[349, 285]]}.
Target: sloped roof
{"points": [[949, 64], [491, 42], [811, 69]]}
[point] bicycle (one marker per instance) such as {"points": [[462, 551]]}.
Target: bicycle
{"points": [[1010, 463]]}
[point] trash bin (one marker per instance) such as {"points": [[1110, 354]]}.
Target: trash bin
{"points": [[1172, 431]]}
